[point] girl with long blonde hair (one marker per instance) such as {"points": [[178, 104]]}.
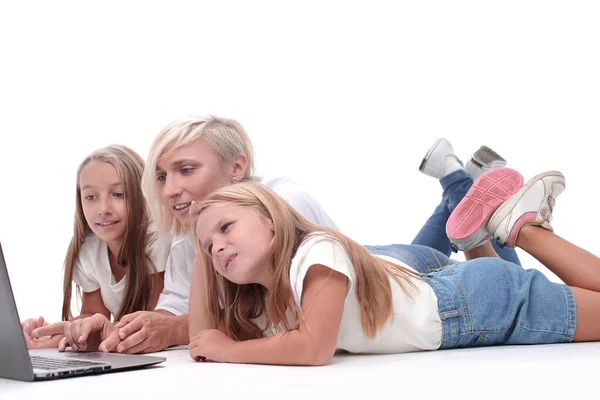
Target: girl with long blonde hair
{"points": [[114, 256], [273, 288]]}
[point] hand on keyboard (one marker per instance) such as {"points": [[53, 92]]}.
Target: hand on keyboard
{"points": [[95, 333], [41, 335]]}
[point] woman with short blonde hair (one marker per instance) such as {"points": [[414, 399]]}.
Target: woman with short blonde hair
{"points": [[188, 160]]}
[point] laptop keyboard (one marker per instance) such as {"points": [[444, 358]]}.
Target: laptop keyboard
{"points": [[48, 364]]}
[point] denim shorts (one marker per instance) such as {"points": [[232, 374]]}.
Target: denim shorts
{"points": [[490, 301]]}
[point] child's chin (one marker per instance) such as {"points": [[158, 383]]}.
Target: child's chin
{"points": [[109, 237], [239, 280]]}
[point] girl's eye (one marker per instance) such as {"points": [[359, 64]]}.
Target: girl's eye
{"points": [[186, 171], [120, 195], [161, 178], [225, 226], [90, 197], [210, 249]]}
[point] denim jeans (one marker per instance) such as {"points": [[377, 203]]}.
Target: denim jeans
{"points": [[433, 234], [422, 258]]}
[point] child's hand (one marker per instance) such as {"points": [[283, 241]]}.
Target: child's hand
{"points": [[95, 333], [212, 345], [30, 324], [41, 335]]}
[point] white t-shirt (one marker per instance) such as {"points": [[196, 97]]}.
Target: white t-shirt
{"points": [[92, 269], [296, 196], [178, 275], [415, 323]]}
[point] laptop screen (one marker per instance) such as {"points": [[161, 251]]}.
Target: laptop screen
{"points": [[15, 362]]}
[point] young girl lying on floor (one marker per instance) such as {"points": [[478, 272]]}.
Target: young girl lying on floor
{"points": [[271, 288]]}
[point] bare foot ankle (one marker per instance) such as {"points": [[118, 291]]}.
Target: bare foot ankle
{"points": [[527, 234]]}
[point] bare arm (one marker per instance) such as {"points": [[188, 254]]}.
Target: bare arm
{"points": [[313, 343], [92, 303], [180, 327]]}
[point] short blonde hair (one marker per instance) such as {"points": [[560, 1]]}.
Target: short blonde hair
{"points": [[227, 138]]}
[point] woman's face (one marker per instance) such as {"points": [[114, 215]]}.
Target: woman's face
{"points": [[189, 174]]}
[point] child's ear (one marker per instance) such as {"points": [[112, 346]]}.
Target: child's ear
{"points": [[271, 225]]}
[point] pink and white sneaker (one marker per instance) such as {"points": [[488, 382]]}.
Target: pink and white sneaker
{"points": [[531, 205], [467, 225]]}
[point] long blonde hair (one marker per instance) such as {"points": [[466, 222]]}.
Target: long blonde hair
{"points": [[133, 252], [236, 305], [226, 137]]}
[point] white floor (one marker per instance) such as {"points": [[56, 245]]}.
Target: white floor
{"points": [[565, 371]]}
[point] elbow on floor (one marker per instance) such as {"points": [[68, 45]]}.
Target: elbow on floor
{"points": [[321, 357]]}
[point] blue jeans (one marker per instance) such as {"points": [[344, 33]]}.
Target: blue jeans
{"points": [[433, 234], [422, 258], [489, 301]]}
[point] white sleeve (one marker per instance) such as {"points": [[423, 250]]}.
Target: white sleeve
{"points": [[319, 251], [303, 202], [160, 252], [83, 276], [178, 277]]}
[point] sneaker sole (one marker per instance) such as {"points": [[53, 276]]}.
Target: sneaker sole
{"points": [[505, 209], [467, 225], [426, 158]]}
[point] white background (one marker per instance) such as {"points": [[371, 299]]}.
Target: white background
{"points": [[345, 97]]}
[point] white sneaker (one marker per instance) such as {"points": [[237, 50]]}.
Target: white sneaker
{"points": [[440, 160], [482, 161], [531, 205]]}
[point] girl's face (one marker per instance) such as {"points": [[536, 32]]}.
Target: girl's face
{"points": [[103, 201], [237, 239], [190, 173]]}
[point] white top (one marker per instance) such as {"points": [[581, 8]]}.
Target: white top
{"points": [[296, 196], [92, 269], [178, 275], [415, 323]]}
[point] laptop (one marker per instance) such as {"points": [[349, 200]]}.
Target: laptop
{"points": [[16, 362]]}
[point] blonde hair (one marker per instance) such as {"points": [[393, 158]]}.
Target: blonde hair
{"points": [[137, 240], [236, 305], [226, 137]]}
